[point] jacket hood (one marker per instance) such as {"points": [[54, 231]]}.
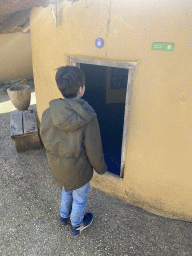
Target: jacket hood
{"points": [[70, 114]]}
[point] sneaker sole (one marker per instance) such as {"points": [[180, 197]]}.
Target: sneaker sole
{"points": [[82, 229], [61, 223], [86, 226]]}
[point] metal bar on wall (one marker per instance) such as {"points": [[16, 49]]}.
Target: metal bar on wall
{"points": [[129, 65], [126, 119]]}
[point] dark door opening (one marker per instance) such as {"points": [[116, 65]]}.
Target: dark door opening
{"points": [[105, 92]]}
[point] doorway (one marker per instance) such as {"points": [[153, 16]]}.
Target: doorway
{"points": [[106, 91], [110, 115]]}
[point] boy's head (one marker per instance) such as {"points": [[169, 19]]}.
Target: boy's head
{"points": [[69, 79]]}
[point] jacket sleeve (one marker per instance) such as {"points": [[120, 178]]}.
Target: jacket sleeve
{"points": [[93, 146]]}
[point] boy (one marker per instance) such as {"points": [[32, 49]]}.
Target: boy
{"points": [[71, 136]]}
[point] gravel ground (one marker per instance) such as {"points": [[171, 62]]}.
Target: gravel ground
{"points": [[29, 212]]}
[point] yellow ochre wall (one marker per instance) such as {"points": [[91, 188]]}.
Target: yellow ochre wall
{"points": [[158, 168], [15, 57]]}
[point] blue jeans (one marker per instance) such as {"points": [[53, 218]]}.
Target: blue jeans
{"points": [[73, 204]]}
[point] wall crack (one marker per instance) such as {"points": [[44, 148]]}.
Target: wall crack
{"points": [[87, 6], [109, 18]]}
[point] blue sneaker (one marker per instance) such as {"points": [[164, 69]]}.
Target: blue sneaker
{"points": [[87, 220], [62, 221]]}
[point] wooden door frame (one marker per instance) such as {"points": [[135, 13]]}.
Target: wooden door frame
{"points": [[131, 66]]}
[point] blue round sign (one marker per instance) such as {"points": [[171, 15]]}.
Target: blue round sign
{"points": [[99, 42]]}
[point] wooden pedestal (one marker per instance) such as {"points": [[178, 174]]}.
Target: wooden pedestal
{"points": [[24, 130]]}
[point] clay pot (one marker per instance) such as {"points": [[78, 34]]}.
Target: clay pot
{"points": [[20, 96]]}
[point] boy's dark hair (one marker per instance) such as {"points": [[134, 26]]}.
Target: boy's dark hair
{"points": [[69, 79]]}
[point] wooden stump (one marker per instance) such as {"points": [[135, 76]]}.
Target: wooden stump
{"points": [[24, 130]]}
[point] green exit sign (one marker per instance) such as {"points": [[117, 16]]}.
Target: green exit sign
{"points": [[162, 46]]}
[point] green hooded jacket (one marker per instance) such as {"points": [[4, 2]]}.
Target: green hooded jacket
{"points": [[71, 136]]}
